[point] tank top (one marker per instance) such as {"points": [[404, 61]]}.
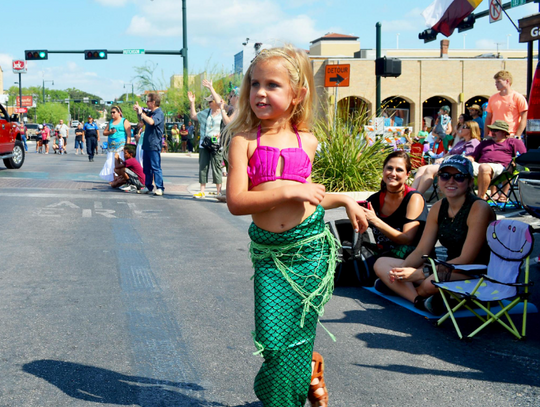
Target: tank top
{"points": [[397, 219], [118, 139], [263, 163], [453, 232]]}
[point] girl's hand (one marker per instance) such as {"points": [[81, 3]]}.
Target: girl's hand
{"points": [[312, 193], [369, 213], [207, 84], [191, 97], [405, 274], [357, 217]]}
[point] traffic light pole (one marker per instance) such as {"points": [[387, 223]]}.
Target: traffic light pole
{"points": [[378, 77]]}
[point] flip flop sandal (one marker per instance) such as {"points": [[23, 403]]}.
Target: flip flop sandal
{"points": [[318, 373]]}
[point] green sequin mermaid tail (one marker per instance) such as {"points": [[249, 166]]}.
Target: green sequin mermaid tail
{"points": [[294, 278]]}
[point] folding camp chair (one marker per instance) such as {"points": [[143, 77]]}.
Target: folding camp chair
{"points": [[510, 241], [509, 178], [417, 155], [104, 147]]}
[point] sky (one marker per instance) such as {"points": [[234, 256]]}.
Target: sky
{"points": [[216, 31]]}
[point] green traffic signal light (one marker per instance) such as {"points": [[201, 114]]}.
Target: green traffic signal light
{"points": [[95, 54], [32, 55]]}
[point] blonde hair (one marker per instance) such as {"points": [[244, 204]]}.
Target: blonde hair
{"points": [[475, 129], [300, 72], [504, 75]]}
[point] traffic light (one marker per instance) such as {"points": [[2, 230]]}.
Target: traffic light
{"points": [[467, 23], [33, 55], [428, 35], [95, 54]]}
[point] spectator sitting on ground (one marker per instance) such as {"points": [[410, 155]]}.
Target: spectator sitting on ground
{"points": [[470, 133], [397, 214], [492, 156], [130, 175], [459, 222]]}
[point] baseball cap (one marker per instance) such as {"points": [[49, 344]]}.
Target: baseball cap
{"points": [[460, 163], [209, 98], [500, 125], [476, 107], [90, 117]]}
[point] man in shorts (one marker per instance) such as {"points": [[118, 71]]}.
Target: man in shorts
{"points": [[492, 156]]}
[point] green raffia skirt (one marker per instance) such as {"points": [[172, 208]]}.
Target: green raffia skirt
{"points": [[294, 279]]}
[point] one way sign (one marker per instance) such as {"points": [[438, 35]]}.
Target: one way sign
{"points": [[337, 75]]}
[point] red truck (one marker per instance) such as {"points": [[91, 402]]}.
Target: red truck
{"points": [[11, 145]]}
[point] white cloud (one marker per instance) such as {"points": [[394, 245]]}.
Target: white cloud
{"points": [[486, 44], [412, 21]]}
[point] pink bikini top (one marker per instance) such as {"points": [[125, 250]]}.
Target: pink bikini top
{"points": [[263, 163]]}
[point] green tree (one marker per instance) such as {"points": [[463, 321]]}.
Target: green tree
{"points": [[52, 113]]}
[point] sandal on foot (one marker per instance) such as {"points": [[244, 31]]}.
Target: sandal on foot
{"points": [[318, 373]]}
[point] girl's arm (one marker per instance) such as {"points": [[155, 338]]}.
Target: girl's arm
{"points": [[354, 211], [241, 201], [407, 236], [478, 220]]}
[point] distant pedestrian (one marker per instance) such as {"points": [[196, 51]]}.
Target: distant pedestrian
{"points": [[184, 134], [45, 137], [210, 128], [79, 139], [175, 134], [91, 133], [23, 131], [154, 121], [191, 135], [506, 105], [63, 129], [39, 139]]}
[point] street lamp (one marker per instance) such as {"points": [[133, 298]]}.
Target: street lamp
{"points": [[132, 95], [44, 89]]}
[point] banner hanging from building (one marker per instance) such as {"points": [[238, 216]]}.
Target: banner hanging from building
{"points": [[445, 15]]}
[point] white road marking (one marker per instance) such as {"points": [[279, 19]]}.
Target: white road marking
{"points": [[108, 213], [87, 213], [63, 203], [98, 205]]}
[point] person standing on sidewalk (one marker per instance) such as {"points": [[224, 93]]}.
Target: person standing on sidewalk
{"points": [[91, 133], [210, 126], [154, 121], [63, 130]]}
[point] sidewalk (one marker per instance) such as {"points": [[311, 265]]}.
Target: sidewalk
{"points": [[210, 190]]}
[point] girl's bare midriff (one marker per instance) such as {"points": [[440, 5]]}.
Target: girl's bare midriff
{"points": [[285, 216]]}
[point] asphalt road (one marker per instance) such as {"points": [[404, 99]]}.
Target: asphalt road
{"points": [[122, 299]]}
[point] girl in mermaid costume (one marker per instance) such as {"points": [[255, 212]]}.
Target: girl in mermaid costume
{"points": [[293, 252]]}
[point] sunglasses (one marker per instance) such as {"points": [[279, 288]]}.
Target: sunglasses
{"points": [[464, 127], [459, 177]]}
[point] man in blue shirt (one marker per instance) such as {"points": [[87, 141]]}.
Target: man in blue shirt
{"points": [[154, 120], [475, 112], [91, 134]]}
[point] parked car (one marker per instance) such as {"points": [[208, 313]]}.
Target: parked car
{"points": [[74, 123], [31, 130], [11, 145], [169, 126]]}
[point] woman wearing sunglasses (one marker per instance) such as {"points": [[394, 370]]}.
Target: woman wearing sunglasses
{"points": [[459, 222], [470, 138]]}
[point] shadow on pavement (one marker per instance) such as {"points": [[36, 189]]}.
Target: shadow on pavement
{"points": [[104, 386], [493, 356]]}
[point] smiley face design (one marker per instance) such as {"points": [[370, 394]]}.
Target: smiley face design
{"points": [[510, 239]]}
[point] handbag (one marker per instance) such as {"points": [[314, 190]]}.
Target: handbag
{"points": [[209, 144]]}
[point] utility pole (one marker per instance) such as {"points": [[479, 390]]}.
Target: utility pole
{"points": [[185, 52], [378, 77], [44, 89]]}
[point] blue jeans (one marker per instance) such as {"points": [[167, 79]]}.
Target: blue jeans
{"points": [[152, 169], [24, 142]]}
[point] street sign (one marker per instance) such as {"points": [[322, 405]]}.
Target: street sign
{"points": [[27, 101], [529, 28], [133, 51], [495, 11], [19, 66], [516, 3], [337, 75], [85, 100], [21, 110]]}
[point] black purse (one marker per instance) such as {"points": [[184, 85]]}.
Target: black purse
{"points": [[210, 145]]}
